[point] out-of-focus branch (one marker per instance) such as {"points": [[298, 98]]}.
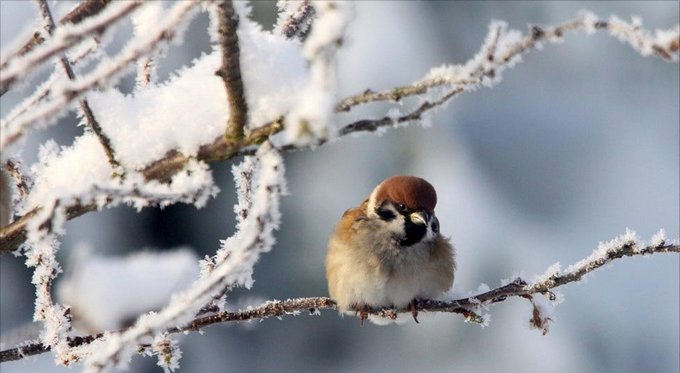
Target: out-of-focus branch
{"points": [[84, 104], [87, 8], [18, 66], [132, 53], [230, 70], [664, 47], [620, 247], [296, 22], [22, 182]]}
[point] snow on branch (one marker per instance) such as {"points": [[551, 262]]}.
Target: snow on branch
{"points": [[255, 236], [92, 122], [313, 116], [502, 48], [65, 37], [165, 152], [167, 29], [85, 9], [538, 292]]}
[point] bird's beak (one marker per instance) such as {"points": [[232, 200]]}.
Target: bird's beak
{"points": [[420, 217]]}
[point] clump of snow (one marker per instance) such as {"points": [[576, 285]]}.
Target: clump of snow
{"points": [[105, 293], [82, 172], [191, 108]]}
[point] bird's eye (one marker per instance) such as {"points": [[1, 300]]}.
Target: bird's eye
{"points": [[435, 225], [401, 207]]}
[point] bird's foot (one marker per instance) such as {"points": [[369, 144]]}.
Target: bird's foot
{"points": [[413, 307], [362, 313]]}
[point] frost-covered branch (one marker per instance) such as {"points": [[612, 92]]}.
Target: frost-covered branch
{"points": [[295, 17], [312, 119], [67, 36], [21, 181], [84, 104], [232, 265], [136, 49], [85, 9], [607, 252], [230, 70], [503, 48]]}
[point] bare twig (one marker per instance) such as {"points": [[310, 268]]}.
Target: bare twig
{"points": [[84, 105], [464, 306], [230, 70]]}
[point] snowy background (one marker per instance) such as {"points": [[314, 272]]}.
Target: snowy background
{"points": [[578, 142]]}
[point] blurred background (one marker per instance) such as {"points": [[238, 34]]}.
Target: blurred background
{"points": [[578, 142]]}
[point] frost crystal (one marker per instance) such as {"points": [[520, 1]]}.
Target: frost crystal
{"points": [[168, 352]]}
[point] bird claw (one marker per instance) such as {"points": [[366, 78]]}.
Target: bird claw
{"points": [[362, 313], [414, 310]]}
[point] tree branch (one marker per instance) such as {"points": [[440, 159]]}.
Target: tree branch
{"points": [[87, 8], [230, 71], [22, 183], [639, 39], [132, 53], [484, 68], [16, 68], [84, 105], [625, 245], [297, 21]]}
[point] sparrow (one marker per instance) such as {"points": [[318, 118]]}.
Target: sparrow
{"points": [[389, 252]]}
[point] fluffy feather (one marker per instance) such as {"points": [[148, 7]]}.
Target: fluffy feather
{"points": [[367, 265]]}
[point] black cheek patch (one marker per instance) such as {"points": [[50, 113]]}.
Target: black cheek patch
{"points": [[386, 215], [414, 233]]}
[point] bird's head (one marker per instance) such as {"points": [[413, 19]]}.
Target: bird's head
{"points": [[405, 204]]}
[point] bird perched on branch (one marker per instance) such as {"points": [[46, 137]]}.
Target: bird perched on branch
{"points": [[388, 252]]}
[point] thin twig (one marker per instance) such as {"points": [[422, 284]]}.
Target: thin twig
{"points": [[297, 22], [87, 8], [22, 183], [230, 70], [463, 306], [537, 35], [132, 53], [17, 68], [84, 104]]}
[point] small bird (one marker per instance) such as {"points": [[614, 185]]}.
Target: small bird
{"points": [[388, 252]]}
